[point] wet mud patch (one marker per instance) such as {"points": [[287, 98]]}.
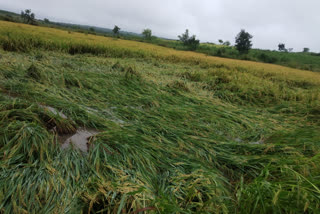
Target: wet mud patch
{"points": [[70, 137], [81, 140]]}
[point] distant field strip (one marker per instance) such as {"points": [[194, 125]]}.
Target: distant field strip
{"points": [[21, 37]]}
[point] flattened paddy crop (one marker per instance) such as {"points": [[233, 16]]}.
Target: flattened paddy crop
{"points": [[175, 132]]}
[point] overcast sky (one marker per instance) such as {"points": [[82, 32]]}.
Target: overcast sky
{"points": [[293, 22]]}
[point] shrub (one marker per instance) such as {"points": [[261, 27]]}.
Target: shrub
{"points": [[191, 42], [266, 58]]}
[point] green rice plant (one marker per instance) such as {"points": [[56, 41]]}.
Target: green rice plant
{"points": [[35, 144], [118, 66], [34, 73], [37, 187], [132, 73], [179, 85], [290, 193], [70, 80]]}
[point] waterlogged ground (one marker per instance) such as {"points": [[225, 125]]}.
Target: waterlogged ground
{"points": [[165, 138]]}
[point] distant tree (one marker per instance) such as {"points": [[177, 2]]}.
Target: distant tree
{"points": [[220, 41], [306, 50], [282, 47], [290, 49], [243, 42], [193, 43], [92, 30], [147, 33], [184, 37], [227, 43], [190, 41], [46, 20], [28, 17], [116, 30]]}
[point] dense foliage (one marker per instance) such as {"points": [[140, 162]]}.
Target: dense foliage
{"points": [[243, 42], [28, 17], [189, 41], [116, 30], [147, 33]]}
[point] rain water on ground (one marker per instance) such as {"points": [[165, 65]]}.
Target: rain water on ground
{"points": [[79, 140]]}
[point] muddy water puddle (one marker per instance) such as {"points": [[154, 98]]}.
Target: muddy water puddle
{"points": [[80, 140]]}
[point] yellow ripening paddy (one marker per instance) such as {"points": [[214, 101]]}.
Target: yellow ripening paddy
{"points": [[52, 35]]}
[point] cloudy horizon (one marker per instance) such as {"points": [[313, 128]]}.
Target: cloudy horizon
{"points": [[292, 22]]}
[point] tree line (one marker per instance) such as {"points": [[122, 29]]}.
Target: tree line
{"points": [[243, 40]]}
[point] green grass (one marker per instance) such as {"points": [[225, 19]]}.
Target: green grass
{"points": [[175, 137]]}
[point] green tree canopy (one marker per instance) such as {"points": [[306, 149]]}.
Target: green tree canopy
{"points": [[282, 47], [227, 43], [190, 41], [243, 42], [147, 33], [116, 30], [28, 17], [306, 50]]}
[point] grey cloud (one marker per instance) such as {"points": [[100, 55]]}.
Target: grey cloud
{"points": [[294, 22]]}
